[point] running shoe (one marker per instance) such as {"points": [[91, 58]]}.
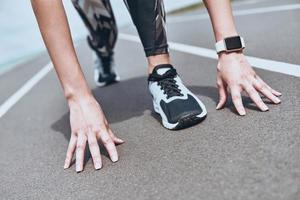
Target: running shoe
{"points": [[104, 71], [178, 107]]}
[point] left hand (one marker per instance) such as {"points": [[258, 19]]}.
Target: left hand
{"points": [[89, 125], [237, 75]]}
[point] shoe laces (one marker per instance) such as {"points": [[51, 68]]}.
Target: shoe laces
{"points": [[167, 83]]}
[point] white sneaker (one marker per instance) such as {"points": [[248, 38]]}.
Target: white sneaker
{"points": [[104, 71], [178, 107]]}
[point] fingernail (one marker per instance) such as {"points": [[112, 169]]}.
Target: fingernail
{"points": [[120, 140], [277, 100], [265, 108], [242, 111], [66, 166], [114, 158], [277, 93], [78, 169], [98, 166]]}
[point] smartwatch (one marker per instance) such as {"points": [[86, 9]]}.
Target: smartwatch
{"points": [[230, 44]]}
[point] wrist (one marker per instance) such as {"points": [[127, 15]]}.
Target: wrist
{"points": [[75, 95], [79, 100], [76, 87], [224, 55], [230, 57], [225, 34]]}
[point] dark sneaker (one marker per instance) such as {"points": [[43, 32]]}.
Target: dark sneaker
{"points": [[178, 107], [104, 71]]}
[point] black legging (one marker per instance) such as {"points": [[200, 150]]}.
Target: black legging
{"points": [[147, 15]]}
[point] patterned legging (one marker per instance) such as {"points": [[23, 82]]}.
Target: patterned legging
{"points": [[147, 15]]}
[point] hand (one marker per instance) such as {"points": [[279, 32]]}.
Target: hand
{"points": [[88, 124], [236, 75]]}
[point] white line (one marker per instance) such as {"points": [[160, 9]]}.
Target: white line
{"points": [[275, 66], [247, 2], [270, 65], [237, 13], [12, 100]]}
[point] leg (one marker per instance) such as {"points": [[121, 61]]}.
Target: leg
{"points": [[100, 21], [177, 106], [99, 18], [149, 19]]}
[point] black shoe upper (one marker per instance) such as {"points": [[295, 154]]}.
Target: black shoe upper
{"points": [[107, 75], [107, 78], [179, 108]]}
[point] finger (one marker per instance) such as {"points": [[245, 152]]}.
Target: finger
{"points": [[81, 143], [114, 138], [70, 151], [95, 150], [253, 94], [266, 91], [109, 145], [222, 94], [237, 100], [276, 93]]}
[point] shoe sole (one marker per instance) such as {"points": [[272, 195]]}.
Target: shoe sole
{"points": [[186, 121], [189, 121]]}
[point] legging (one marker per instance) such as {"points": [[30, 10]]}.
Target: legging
{"points": [[147, 15]]}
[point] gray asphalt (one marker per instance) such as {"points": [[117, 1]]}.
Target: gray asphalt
{"points": [[225, 157]]}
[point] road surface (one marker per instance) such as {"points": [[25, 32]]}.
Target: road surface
{"points": [[225, 157]]}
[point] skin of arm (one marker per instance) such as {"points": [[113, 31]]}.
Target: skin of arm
{"points": [[88, 123], [234, 73]]}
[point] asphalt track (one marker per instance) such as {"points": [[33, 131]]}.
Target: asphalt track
{"points": [[225, 157]]}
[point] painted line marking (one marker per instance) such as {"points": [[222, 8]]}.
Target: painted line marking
{"points": [[270, 65], [12, 100], [18, 95], [237, 13]]}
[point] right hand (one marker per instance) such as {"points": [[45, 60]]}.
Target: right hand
{"points": [[235, 74], [88, 124]]}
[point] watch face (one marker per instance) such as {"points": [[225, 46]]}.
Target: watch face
{"points": [[233, 43]]}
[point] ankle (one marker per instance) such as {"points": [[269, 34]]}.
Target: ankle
{"points": [[153, 61]]}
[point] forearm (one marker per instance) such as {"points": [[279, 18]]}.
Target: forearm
{"points": [[55, 31], [220, 13]]}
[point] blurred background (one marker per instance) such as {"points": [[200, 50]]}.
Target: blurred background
{"points": [[20, 38]]}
